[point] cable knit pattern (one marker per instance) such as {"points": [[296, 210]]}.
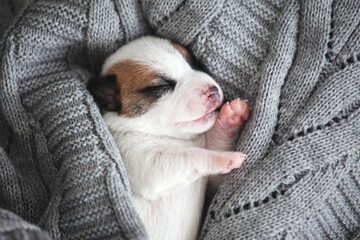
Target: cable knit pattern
{"points": [[62, 177]]}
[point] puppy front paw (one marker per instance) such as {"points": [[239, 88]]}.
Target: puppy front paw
{"points": [[233, 114], [228, 161]]}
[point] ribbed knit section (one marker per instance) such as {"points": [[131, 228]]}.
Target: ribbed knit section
{"points": [[315, 22], [320, 144], [271, 81], [173, 24], [342, 12], [64, 162], [158, 11], [231, 41], [338, 217], [105, 26], [293, 187], [86, 211]]}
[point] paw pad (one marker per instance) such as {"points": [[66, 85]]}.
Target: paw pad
{"points": [[234, 113]]}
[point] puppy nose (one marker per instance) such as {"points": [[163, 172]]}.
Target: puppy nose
{"points": [[213, 94]]}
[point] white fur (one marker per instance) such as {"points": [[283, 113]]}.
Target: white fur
{"points": [[164, 150]]}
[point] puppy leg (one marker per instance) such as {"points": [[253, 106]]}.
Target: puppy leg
{"points": [[222, 137], [169, 170]]}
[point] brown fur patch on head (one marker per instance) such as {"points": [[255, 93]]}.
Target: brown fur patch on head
{"points": [[132, 77]]}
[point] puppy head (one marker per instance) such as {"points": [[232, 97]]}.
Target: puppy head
{"points": [[151, 85]]}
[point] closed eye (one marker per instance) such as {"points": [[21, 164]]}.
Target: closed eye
{"points": [[164, 80], [163, 86]]}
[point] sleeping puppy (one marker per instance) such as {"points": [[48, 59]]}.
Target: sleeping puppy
{"points": [[163, 115]]}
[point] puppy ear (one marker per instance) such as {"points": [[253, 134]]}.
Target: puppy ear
{"points": [[105, 91]]}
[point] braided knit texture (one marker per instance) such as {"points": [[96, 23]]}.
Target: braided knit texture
{"points": [[297, 62]]}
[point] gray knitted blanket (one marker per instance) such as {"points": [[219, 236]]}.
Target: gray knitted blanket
{"points": [[297, 62]]}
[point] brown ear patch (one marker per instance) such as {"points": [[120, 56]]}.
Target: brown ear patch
{"points": [[186, 54], [181, 49], [132, 77]]}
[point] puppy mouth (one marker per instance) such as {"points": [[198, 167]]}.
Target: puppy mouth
{"points": [[207, 116]]}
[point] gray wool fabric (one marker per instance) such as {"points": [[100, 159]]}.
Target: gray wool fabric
{"points": [[297, 62]]}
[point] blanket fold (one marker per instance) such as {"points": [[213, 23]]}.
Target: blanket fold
{"points": [[297, 62]]}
